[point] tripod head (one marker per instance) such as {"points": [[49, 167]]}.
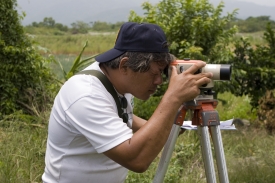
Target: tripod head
{"points": [[202, 109]]}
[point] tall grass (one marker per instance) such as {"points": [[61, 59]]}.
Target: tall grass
{"points": [[22, 144], [70, 44], [249, 151], [235, 107], [254, 38]]}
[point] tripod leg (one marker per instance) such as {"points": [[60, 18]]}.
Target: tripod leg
{"points": [[218, 146], [207, 154], [166, 154]]}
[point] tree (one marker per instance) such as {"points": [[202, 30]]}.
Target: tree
{"points": [[254, 72], [25, 79], [194, 28], [61, 27], [48, 22], [80, 27], [100, 26]]}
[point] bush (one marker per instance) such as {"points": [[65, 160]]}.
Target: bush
{"points": [[266, 112], [253, 72], [195, 29], [25, 79]]}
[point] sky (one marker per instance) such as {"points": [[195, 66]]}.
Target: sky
{"points": [[261, 2], [92, 10]]}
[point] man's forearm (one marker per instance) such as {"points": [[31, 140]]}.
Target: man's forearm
{"points": [[137, 123]]}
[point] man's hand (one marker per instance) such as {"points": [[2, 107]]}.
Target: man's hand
{"points": [[185, 86]]}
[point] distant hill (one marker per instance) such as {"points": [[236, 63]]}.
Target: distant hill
{"points": [[69, 11]]}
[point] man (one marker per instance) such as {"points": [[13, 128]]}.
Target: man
{"points": [[87, 140]]}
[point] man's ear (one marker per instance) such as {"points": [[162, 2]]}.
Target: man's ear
{"points": [[123, 65]]}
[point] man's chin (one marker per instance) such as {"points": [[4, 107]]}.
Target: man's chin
{"points": [[144, 98]]}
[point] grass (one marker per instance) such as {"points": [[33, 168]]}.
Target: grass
{"points": [[22, 144], [250, 158], [71, 44], [235, 107], [255, 38], [249, 151], [245, 150]]}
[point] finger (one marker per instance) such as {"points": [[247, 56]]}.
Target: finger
{"points": [[203, 81], [195, 67], [205, 74]]}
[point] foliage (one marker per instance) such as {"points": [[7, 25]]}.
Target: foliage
{"points": [[78, 27], [25, 79], [78, 64], [266, 112], [145, 109], [22, 144], [253, 72], [230, 107], [194, 28]]}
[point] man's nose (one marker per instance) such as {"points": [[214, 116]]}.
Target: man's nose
{"points": [[158, 80]]}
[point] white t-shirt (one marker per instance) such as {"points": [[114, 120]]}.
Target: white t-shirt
{"points": [[83, 124]]}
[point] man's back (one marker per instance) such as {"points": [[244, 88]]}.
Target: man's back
{"points": [[76, 141]]}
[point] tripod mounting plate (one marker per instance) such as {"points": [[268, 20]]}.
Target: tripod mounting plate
{"points": [[204, 113]]}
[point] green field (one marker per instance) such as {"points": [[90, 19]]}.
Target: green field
{"points": [[72, 44]]}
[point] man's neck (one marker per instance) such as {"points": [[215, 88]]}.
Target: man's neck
{"points": [[113, 77]]}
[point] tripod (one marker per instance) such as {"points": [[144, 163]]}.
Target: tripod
{"points": [[206, 118]]}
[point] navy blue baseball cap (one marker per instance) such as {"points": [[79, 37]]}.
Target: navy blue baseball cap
{"points": [[136, 37]]}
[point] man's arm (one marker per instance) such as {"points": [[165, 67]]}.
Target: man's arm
{"points": [[137, 123], [137, 153]]}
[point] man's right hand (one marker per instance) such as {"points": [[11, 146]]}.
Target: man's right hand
{"points": [[186, 85]]}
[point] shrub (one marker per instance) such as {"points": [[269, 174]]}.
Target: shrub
{"points": [[25, 78]]}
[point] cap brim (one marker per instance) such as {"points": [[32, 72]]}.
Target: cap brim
{"points": [[109, 55]]}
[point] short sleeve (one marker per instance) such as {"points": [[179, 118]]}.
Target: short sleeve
{"points": [[96, 118]]}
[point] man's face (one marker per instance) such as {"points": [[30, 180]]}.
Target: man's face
{"points": [[144, 84]]}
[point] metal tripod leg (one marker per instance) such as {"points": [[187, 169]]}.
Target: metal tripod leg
{"points": [[211, 120], [218, 146], [205, 119], [166, 154], [207, 154]]}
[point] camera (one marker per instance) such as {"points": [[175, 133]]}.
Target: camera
{"points": [[220, 71]]}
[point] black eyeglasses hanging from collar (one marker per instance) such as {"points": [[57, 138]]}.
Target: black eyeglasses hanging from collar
{"points": [[124, 104]]}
